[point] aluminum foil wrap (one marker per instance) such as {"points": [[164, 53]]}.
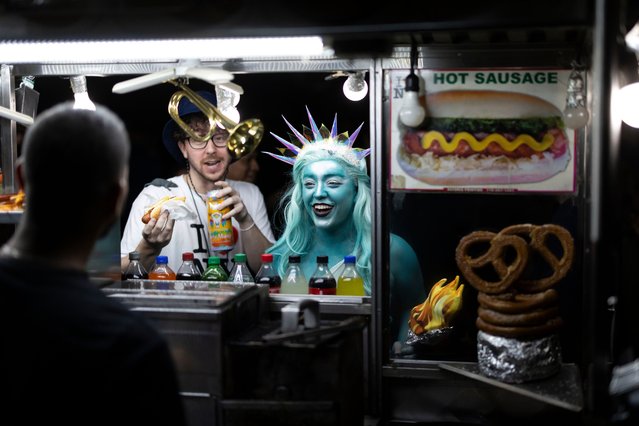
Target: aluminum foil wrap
{"points": [[431, 337], [516, 361]]}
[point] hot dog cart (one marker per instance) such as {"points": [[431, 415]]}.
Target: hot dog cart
{"points": [[474, 47]]}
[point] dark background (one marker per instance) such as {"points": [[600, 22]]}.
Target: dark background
{"points": [[267, 96]]}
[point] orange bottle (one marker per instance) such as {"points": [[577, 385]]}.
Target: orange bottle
{"points": [[162, 272]]}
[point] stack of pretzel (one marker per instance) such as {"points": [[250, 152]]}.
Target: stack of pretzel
{"points": [[514, 304]]}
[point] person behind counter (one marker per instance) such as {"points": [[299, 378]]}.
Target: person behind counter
{"points": [[327, 212], [207, 165], [245, 169], [70, 355]]}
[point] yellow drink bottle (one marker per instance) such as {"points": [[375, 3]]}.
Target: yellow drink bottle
{"points": [[350, 282]]}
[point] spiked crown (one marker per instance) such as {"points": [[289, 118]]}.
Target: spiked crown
{"points": [[319, 138]]}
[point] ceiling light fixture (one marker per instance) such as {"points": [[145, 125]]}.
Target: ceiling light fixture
{"points": [[169, 50]]}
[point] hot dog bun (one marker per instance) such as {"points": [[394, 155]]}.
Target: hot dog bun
{"points": [[479, 137], [153, 211]]}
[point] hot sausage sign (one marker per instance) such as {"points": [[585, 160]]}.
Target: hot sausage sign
{"points": [[485, 131]]}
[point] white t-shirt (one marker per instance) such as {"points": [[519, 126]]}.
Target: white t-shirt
{"points": [[192, 235]]}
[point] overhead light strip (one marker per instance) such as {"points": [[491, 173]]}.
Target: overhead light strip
{"points": [[20, 52]]}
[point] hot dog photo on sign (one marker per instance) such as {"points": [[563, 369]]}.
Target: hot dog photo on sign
{"points": [[506, 133]]}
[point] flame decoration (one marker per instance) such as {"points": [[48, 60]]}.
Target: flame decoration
{"points": [[439, 308]]}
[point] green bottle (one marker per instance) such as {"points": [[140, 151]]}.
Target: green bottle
{"points": [[214, 271]]}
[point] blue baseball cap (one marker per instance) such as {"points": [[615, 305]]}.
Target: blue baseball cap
{"points": [[185, 107]]}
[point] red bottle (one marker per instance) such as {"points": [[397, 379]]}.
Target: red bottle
{"points": [[268, 275], [322, 281]]}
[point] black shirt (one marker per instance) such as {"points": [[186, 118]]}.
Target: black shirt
{"points": [[70, 355]]}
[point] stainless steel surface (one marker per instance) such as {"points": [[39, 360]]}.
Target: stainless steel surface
{"points": [[234, 66], [197, 324], [562, 390], [340, 305], [8, 136]]}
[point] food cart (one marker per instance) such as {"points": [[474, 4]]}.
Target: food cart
{"points": [[487, 47]]}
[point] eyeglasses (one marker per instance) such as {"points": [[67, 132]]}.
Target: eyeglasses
{"points": [[219, 140]]}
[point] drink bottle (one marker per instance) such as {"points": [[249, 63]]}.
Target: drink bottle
{"points": [[268, 275], [350, 282], [294, 281], [220, 230], [240, 272], [135, 271], [322, 281], [214, 271], [161, 271], [188, 271]]}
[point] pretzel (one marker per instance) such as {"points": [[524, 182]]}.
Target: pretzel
{"points": [[525, 319], [538, 236], [530, 332], [494, 256], [517, 303]]}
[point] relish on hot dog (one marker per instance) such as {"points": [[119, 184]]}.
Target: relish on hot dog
{"points": [[154, 210], [473, 137]]}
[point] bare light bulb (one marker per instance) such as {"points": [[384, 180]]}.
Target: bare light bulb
{"points": [[627, 104], [575, 113], [412, 113], [355, 87], [231, 113], [82, 101], [80, 93], [576, 117], [227, 101]]}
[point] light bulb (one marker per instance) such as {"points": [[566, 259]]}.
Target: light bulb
{"points": [[575, 113], [412, 113], [627, 104], [576, 117], [231, 113], [80, 93], [355, 87], [82, 101]]}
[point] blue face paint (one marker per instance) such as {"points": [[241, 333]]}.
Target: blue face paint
{"points": [[329, 195]]}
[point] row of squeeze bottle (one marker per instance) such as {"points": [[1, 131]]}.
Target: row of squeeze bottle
{"points": [[322, 282]]}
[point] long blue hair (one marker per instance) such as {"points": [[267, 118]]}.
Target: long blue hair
{"points": [[298, 236]]}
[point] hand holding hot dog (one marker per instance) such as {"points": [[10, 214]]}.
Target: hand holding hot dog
{"points": [[154, 210]]}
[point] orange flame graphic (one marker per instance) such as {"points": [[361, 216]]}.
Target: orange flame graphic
{"points": [[443, 302]]}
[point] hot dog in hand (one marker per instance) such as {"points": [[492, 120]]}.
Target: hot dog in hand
{"points": [[154, 210]]}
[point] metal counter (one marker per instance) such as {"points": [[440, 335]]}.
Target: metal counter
{"points": [[231, 373]]}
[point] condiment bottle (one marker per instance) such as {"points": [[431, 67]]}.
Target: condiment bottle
{"points": [[188, 271], [240, 272], [294, 281], [161, 271], [134, 271], [214, 271], [322, 281], [350, 282], [268, 275]]}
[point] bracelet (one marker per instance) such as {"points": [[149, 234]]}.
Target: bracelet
{"points": [[246, 229]]}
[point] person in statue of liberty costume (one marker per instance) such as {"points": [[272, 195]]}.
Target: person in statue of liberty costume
{"points": [[327, 211]]}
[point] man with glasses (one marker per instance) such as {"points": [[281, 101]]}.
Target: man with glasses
{"points": [[207, 165]]}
